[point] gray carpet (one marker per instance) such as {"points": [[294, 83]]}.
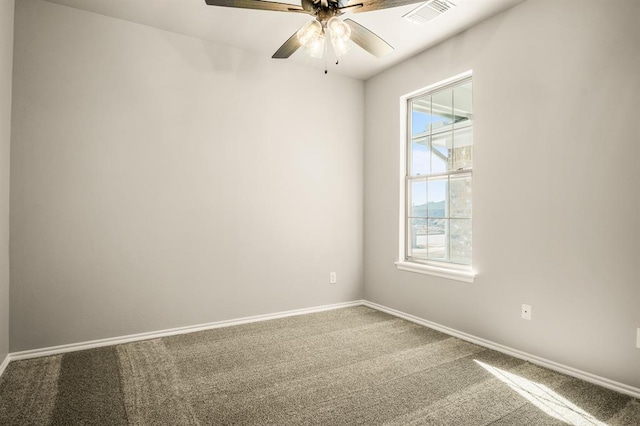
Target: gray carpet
{"points": [[343, 367]]}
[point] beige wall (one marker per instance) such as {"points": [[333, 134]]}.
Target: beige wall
{"points": [[6, 60], [162, 181], [556, 199]]}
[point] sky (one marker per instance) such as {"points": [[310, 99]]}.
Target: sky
{"points": [[437, 191]]}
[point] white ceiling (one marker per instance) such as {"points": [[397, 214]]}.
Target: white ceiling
{"points": [[264, 31]]}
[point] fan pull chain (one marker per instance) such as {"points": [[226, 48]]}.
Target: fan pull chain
{"points": [[326, 55]]}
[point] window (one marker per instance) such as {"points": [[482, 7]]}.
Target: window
{"points": [[437, 181]]}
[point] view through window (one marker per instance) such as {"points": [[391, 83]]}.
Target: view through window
{"points": [[439, 172]]}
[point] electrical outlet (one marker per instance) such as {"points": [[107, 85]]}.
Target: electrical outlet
{"points": [[526, 312], [332, 278], [638, 338]]}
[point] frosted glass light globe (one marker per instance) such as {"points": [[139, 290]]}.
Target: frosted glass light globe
{"points": [[340, 35], [316, 47], [309, 33], [339, 29]]}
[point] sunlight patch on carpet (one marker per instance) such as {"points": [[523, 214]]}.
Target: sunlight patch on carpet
{"points": [[544, 398]]}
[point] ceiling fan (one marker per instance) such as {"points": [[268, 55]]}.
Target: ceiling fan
{"points": [[326, 13]]}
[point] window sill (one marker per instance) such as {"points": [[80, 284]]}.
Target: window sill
{"points": [[451, 274]]}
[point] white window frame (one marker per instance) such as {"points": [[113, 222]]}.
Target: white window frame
{"points": [[447, 270]]}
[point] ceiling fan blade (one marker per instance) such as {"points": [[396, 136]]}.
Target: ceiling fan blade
{"points": [[369, 5], [288, 48], [368, 40], [258, 4]]}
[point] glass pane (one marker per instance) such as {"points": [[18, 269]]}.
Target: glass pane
{"points": [[442, 110], [418, 197], [420, 115], [460, 196], [437, 197], [462, 103], [463, 148], [417, 238], [420, 161], [460, 250], [437, 238], [441, 148]]}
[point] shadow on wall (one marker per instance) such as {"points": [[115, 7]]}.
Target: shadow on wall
{"points": [[219, 59]]}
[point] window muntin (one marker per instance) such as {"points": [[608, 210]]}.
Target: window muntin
{"points": [[439, 175]]}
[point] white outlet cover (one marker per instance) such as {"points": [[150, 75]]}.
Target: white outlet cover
{"points": [[526, 312]]}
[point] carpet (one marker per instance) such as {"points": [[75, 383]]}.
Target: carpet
{"points": [[341, 367]]}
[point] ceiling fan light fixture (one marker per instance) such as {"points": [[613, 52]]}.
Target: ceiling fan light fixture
{"points": [[340, 35], [340, 46], [315, 48], [311, 36], [338, 28], [310, 33]]}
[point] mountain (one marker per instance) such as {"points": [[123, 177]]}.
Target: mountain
{"points": [[436, 209]]}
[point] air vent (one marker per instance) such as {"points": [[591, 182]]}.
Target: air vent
{"points": [[428, 11]]}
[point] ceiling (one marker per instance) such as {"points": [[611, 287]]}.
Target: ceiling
{"points": [[264, 31]]}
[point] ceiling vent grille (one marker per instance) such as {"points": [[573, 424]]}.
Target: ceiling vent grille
{"points": [[428, 11]]}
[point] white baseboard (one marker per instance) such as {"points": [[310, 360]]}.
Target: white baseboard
{"points": [[55, 350], [564, 369], [4, 363]]}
